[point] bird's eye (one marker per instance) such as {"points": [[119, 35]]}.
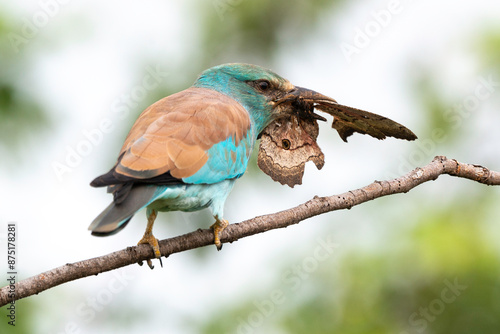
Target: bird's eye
{"points": [[263, 85]]}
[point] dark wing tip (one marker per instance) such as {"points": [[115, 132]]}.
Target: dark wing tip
{"points": [[410, 135], [110, 178], [98, 182]]}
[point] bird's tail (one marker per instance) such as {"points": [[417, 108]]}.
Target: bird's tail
{"points": [[116, 216]]}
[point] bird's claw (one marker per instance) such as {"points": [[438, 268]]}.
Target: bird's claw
{"points": [[150, 263], [149, 239], [219, 226]]}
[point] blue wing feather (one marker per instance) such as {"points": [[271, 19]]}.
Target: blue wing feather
{"points": [[226, 160]]}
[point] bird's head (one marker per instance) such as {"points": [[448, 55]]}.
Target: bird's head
{"points": [[263, 93]]}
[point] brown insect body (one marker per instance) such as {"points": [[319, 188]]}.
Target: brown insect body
{"points": [[290, 141]]}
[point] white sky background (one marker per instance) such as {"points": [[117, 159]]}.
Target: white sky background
{"points": [[81, 77]]}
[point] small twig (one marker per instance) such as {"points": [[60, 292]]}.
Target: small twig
{"points": [[316, 206]]}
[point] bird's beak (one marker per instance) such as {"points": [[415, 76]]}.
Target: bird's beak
{"points": [[303, 94], [299, 99]]}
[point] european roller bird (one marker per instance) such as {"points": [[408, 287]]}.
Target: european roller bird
{"points": [[185, 151]]}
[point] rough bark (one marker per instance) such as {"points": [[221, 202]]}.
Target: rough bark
{"points": [[199, 238]]}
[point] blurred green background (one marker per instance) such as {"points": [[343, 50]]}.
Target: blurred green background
{"points": [[73, 81]]}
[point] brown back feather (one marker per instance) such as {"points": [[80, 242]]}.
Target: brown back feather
{"points": [[173, 134]]}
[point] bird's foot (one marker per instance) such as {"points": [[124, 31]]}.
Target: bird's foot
{"points": [[219, 226], [149, 239]]}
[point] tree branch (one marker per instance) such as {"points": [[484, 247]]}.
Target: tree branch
{"points": [[316, 206]]}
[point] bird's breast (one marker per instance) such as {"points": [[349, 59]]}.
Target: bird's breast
{"points": [[192, 197]]}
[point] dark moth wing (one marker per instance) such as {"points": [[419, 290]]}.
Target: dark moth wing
{"points": [[348, 120]]}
